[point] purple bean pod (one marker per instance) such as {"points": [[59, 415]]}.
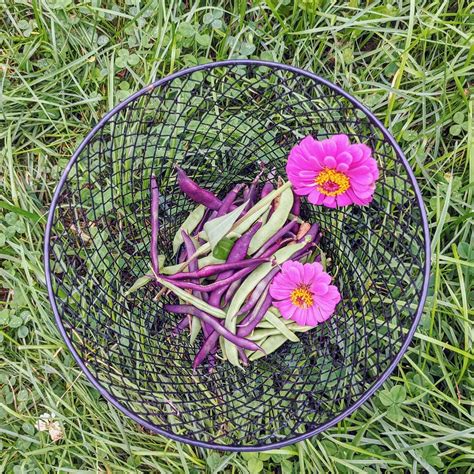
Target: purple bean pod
{"points": [[210, 270], [296, 209], [214, 323], [258, 291], [229, 199], [313, 232], [245, 194], [251, 195], [183, 256], [195, 192], [218, 284], [204, 219], [267, 189], [181, 326], [251, 321], [278, 235], [231, 291], [155, 225], [206, 348], [243, 357], [277, 246]]}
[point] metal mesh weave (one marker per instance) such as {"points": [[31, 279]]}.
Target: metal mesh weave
{"points": [[219, 121]]}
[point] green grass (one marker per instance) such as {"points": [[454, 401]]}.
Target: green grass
{"points": [[63, 64]]}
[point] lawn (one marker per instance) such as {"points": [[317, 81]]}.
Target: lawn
{"points": [[63, 64]]}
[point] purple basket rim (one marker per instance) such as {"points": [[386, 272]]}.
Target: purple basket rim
{"points": [[426, 271]]}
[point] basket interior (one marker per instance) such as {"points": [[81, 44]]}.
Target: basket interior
{"points": [[219, 123]]}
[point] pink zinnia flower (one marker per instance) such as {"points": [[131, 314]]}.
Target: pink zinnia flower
{"points": [[333, 172], [303, 293]]}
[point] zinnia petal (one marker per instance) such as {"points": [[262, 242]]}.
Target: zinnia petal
{"points": [[330, 161], [320, 288], [342, 142], [300, 316], [315, 197], [279, 293], [330, 201], [330, 146], [343, 200], [287, 310]]}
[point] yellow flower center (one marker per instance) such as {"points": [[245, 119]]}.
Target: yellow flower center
{"points": [[302, 297], [331, 182]]}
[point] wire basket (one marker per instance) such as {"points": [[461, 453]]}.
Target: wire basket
{"points": [[220, 121]]}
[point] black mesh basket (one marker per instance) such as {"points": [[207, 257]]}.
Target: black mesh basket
{"points": [[220, 121]]}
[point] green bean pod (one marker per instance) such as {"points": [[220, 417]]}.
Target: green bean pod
{"points": [[275, 223], [260, 334], [191, 222], [245, 222], [281, 326], [271, 344], [246, 288], [195, 329], [292, 325]]}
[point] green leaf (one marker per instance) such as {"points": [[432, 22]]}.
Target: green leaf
{"points": [[22, 332], [247, 48], [385, 398], [133, 59], [4, 317], [186, 30], [208, 18], [398, 394], [458, 118], [11, 218], [455, 130], [23, 395], [188, 226], [23, 24], [217, 228], [395, 413], [28, 428], [286, 467], [254, 465], [410, 135], [142, 281], [465, 250], [15, 321], [223, 248], [430, 455], [203, 40], [213, 461], [248, 456]]}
